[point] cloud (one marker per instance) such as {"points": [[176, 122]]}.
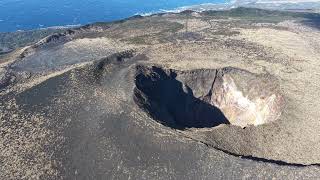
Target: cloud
{"points": [[272, 1], [286, 1]]}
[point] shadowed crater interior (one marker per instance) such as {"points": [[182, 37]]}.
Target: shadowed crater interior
{"points": [[206, 98]]}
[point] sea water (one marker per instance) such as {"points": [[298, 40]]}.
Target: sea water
{"points": [[34, 14]]}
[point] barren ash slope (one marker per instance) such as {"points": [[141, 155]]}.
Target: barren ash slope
{"points": [[193, 95]]}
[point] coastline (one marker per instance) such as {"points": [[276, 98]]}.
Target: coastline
{"points": [[313, 7]]}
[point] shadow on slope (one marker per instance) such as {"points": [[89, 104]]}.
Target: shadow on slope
{"points": [[172, 103]]}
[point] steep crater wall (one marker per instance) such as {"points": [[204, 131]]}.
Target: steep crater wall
{"points": [[233, 110], [207, 98]]}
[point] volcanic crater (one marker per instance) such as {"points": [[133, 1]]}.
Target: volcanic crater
{"points": [[207, 98], [212, 95]]}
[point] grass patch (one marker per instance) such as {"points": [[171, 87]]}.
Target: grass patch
{"points": [[165, 28], [260, 15]]}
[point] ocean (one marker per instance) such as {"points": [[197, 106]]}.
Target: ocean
{"points": [[34, 14]]}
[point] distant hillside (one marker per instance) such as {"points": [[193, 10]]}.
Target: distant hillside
{"points": [[11, 41], [302, 5]]}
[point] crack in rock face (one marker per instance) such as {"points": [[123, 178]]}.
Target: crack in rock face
{"points": [[207, 98]]}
